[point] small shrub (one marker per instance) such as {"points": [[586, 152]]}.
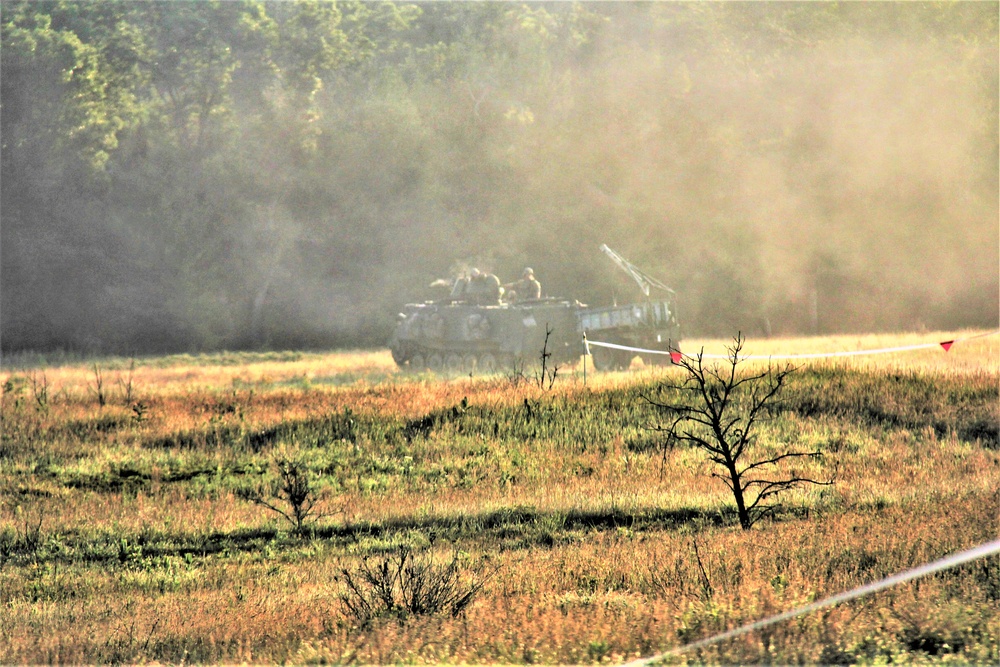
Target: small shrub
{"points": [[544, 377], [399, 586], [832, 655], [40, 391], [26, 537], [102, 396], [293, 488]]}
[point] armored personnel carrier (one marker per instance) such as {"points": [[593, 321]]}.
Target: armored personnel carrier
{"points": [[458, 335]]}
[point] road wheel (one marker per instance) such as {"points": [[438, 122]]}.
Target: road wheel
{"points": [[399, 354], [435, 362], [604, 359], [488, 363], [469, 363], [453, 362], [417, 363]]}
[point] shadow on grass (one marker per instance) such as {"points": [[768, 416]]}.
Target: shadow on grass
{"points": [[506, 529]]}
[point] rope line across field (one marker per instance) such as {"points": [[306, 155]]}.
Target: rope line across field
{"points": [[948, 562], [676, 356]]}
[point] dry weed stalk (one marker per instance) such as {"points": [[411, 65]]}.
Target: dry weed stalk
{"points": [[293, 488]]}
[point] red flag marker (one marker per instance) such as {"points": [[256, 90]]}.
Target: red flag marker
{"points": [[947, 345], [675, 357]]}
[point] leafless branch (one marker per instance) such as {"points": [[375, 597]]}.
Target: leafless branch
{"points": [[718, 412]]}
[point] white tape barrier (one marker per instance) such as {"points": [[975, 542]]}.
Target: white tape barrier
{"points": [[676, 356], [638, 350], [948, 562]]}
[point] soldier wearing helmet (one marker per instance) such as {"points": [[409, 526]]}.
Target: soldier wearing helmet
{"points": [[526, 288], [484, 288]]}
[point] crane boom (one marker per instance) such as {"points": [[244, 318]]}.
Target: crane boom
{"points": [[645, 280]]}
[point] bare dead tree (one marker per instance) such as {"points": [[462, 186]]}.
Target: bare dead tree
{"points": [[718, 412]]}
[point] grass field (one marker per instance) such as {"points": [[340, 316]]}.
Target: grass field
{"points": [[128, 531]]}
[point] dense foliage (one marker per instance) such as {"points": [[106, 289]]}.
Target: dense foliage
{"points": [[186, 176]]}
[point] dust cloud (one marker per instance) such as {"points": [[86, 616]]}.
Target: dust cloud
{"points": [[850, 187], [844, 185]]}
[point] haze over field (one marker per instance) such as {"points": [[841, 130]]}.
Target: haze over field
{"points": [[190, 176]]}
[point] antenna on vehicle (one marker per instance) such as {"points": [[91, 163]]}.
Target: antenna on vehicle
{"points": [[645, 280]]}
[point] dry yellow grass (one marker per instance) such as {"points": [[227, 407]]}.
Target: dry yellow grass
{"points": [[976, 351], [604, 552], [183, 374]]}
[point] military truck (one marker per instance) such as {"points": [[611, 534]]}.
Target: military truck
{"points": [[458, 335]]}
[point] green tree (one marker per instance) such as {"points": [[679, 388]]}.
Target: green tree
{"points": [[63, 97]]}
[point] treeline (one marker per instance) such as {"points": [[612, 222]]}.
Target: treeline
{"points": [[205, 175]]}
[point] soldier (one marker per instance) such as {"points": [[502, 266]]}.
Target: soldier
{"points": [[525, 288], [484, 288]]}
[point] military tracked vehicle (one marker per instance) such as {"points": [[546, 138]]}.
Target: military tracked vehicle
{"points": [[461, 335]]}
